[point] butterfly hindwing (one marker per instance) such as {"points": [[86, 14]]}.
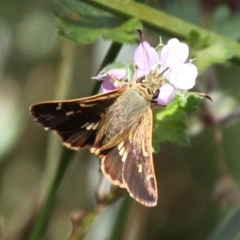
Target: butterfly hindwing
{"points": [[112, 166], [75, 121], [130, 165], [138, 169]]}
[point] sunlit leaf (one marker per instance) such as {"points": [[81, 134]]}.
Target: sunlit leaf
{"points": [[170, 121], [90, 23], [216, 53]]}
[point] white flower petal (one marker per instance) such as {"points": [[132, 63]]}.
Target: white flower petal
{"points": [[174, 53], [182, 76]]}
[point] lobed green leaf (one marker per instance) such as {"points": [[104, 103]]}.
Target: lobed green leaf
{"points": [[170, 121], [88, 23]]}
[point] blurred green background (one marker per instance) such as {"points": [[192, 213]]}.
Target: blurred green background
{"points": [[198, 185]]}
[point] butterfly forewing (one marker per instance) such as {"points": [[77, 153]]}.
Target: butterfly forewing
{"points": [[75, 121], [117, 127]]}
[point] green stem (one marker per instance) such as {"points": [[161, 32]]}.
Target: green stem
{"points": [[166, 23], [43, 217], [55, 181], [110, 57], [55, 169], [121, 219], [65, 76]]}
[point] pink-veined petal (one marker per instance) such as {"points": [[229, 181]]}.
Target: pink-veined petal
{"points": [[107, 85], [145, 57], [114, 73], [182, 76], [140, 73], [166, 95], [174, 53]]}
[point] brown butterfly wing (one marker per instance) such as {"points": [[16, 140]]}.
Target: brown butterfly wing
{"points": [[130, 165], [112, 166], [138, 169], [75, 121], [126, 157]]}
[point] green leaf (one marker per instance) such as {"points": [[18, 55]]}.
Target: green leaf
{"points": [[129, 68], [170, 121], [207, 53], [83, 9], [215, 53], [197, 41], [191, 103], [90, 23]]}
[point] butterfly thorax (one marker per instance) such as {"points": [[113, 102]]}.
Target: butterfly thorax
{"points": [[122, 118]]}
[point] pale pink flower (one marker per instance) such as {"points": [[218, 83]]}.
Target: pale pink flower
{"points": [[171, 64], [172, 61]]}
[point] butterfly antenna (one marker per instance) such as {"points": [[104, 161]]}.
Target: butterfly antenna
{"points": [[161, 74], [195, 93], [140, 34]]}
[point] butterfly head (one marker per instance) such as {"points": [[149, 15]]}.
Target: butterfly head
{"points": [[150, 84]]}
